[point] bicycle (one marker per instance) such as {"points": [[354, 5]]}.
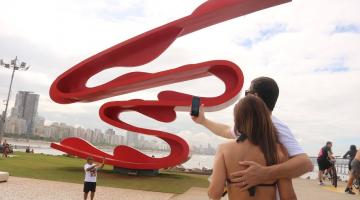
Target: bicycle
{"points": [[332, 174]]}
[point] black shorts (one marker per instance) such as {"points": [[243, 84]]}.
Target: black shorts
{"points": [[324, 164], [89, 186]]}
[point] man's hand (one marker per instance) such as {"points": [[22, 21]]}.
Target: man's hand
{"points": [[102, 163], [201, 118], [219, 129], [247, 178]]}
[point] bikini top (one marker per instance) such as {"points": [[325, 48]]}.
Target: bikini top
{"points": [[252, 190]]}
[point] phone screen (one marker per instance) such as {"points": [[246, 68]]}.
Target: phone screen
{"points": [[195, 106]]}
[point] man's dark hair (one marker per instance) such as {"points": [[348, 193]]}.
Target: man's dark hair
{"points": [[327, 143], [267, 89], [353, 148]]}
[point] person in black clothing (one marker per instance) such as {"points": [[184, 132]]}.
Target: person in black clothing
{"points": [[323, 160], [350, 155], [354, 174]]}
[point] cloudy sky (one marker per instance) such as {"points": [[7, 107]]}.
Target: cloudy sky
{"points": [[311, 48]]}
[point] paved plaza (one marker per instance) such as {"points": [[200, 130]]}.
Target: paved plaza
{"points": [[24, 188]]}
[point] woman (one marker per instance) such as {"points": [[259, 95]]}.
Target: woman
{"points": [[350, 155], [257, 142]]}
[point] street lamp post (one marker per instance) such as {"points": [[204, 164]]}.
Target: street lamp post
{"points": [[14, 65]]}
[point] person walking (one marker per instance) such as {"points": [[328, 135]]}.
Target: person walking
{"points": [[6, 149], [350, 155], [354, 174], [90, 176]]}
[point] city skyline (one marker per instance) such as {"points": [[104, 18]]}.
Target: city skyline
{"points": [[26, 106], [24, 117], [313, 58]]}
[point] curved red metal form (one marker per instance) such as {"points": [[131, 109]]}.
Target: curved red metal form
{"points": [[70, 87]]}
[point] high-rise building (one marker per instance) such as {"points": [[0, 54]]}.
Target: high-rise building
{"points": [[15, 125], [39, 121], [132, 139], [26, 105], [110, 131]]}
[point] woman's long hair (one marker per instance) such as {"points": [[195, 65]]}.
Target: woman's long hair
{"points": [[253, 121]]}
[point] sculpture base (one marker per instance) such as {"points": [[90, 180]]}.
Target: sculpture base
{"points": [[136, 172]]}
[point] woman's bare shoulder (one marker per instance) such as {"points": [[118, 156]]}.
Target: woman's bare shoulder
{"points": [[282, 153], [227, 144], [232, 145]]}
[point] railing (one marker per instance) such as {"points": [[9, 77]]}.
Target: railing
{"points": [[341, 165]]}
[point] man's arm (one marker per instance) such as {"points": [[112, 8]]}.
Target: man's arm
{"points": [[291, 168], [90, 168], [219, 129], [298, 164], [100, 166], [330, 155], [256, 173]]}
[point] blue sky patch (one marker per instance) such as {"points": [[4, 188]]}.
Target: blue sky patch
{"points": [[264, 34], [115, 15], [271, 31], [338, 66], [246, 43], [347, 28]]}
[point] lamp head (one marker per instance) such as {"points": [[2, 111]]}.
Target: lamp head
{"points": [[23, 64]]}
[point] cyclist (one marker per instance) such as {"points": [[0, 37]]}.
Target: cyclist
{"points": [[350, 155], [355, 173], [324, 160]]}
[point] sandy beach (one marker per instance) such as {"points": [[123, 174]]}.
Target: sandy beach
{"points": [[24, 188]]}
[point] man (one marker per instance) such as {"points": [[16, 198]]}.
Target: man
{"points": [[355, 173], [324, 160], [6, 149], [90, 177], [298, 164]]}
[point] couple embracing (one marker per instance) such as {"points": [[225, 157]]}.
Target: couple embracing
{"points": [[263, 156]]}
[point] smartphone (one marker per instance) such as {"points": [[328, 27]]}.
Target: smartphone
{"points": [[195, 106]]}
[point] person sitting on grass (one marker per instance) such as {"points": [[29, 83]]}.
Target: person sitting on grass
{"points": [[257, 142], [354, 174], [27, 150], [90, 176]]}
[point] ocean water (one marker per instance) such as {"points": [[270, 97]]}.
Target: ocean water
{"points": [[196, 161]]}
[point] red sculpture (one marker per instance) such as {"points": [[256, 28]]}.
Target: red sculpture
{"points": [[70, 87]]}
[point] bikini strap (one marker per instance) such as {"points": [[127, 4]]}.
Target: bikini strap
{"points": [[252, 190], [269, 185]]}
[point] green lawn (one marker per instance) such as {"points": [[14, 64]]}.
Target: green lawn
{"points": [[65, 169]]}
